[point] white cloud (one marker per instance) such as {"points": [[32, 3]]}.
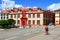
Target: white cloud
{"points": [[54, 6], [8, 4], [5, 0], [0, 11], [35, 7], [18, 6], [28, 7]]}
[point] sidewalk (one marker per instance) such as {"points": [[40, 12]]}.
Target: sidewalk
{"points": [[54, 35]]}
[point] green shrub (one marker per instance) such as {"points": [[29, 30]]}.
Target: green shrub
{"points": [[7, 23]]}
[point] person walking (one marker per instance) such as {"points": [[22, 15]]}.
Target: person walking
{"points": [[46, 30], [29, 26]]}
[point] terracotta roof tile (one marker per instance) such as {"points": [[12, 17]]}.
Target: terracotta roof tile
{"points": [[5, 11]]}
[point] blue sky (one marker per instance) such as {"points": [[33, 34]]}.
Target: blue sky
{"points": [[44, 4], [39, 3]]}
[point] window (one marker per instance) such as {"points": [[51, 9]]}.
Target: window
{"points": [[18, 15], [4, 17], [38, 15], [14, 15], [18, 21], [11, 15], [29, 15], [7, 16], [29, 21], [33, 15], [1, 17], [33, 21], [38, 21]]}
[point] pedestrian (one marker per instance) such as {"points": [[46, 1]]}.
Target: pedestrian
{"points": [[23, 26], [46, 30], [29, 26]]}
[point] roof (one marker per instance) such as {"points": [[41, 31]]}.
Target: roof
{"points": [[5, 11], [57, 10]]}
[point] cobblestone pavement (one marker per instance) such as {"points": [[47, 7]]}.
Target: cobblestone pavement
{"points": [[53, 35]]}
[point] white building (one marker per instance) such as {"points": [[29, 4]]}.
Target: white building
{"points": [[25, 16]]}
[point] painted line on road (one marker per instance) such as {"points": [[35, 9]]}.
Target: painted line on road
{"points": [[10, 38], [31, 33], [36, 32], [14, 34], [27, 34], [35, 36]]}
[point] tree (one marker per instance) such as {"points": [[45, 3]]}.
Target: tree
{"points": [[7, 23], [3, 23], [11, 22]]}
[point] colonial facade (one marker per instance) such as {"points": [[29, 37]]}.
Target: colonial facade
{"points": [[28, 16]]}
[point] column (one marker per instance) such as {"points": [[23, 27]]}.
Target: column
{"points": [[2, 16], [16, 19], [9, 16], [13, 16], [41, 19]]}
